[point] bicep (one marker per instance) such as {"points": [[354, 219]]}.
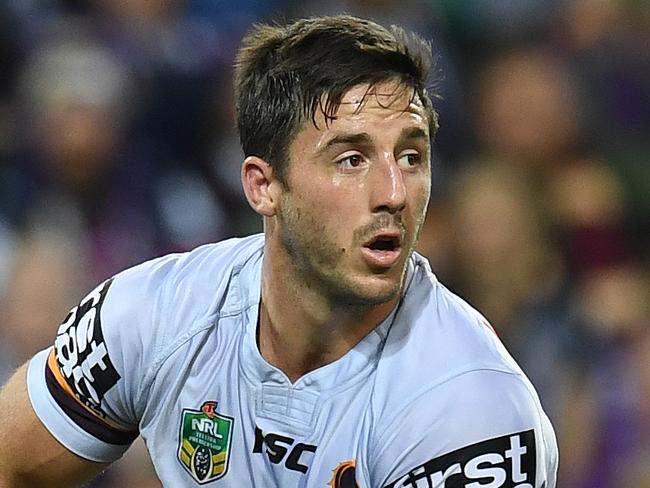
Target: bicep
{"points": [[29, 454]]}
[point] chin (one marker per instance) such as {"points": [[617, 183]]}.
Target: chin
{"points": [[376, 292], [386, 292]]}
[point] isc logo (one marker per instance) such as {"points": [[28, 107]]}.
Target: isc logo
{"points": [[207, 426], [277, 447]]}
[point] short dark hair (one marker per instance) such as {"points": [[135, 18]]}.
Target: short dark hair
{"points": [[285, 74]]}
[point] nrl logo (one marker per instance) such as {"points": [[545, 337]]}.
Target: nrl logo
{"points": [[204, 446]]}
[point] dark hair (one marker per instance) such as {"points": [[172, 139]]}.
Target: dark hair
{"points": [[285, 74]]}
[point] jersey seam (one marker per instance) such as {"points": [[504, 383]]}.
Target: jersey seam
{"points": [[182, 340], [162, 354], [539, 410], [375, 454]]}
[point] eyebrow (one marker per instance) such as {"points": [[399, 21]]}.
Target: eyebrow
{"points": [[360, 138], [365, 139], [413, 133]]}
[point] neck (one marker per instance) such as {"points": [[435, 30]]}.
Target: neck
{"points": [[301, 329]]}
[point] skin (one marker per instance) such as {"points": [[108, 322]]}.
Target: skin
{"points": [[364, 173], [29, 456]]}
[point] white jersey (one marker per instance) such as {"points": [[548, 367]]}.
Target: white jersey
{"points": [[167, 350]]}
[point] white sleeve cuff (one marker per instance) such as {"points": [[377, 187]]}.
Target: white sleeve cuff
{"points": [[59, 424]]}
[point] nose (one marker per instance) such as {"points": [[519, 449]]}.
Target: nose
{"points": [[388, 188]]}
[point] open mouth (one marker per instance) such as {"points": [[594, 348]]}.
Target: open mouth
{"points": [[383, 243], [383, 251]]}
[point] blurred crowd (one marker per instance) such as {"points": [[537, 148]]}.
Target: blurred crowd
{"points": [[117, 144]]}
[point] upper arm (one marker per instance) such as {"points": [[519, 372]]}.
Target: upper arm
{"points": [[82, 389], [29, 454], [484, 427], [84, 395]]}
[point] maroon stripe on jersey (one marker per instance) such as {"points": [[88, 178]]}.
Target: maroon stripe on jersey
{"points": [[83, 418]]}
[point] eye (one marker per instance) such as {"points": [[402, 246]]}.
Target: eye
{"points": [[350, 162], [409, 160]]}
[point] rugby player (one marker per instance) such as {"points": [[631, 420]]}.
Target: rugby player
{"points": [[323, 352]]}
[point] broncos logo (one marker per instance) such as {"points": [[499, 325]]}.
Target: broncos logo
{"points": [[344, 476]]}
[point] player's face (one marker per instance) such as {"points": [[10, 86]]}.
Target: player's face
{"points": [[357, 193]]}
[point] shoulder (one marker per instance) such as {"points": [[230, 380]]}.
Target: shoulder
{"points": [[141, 314], [482, 426], [109, 347], [208, 263], [445, 382], [179, 290], [436, 336]]}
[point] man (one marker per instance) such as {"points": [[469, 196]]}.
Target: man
{"points": [[323, 353]]}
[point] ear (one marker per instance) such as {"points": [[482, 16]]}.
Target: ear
{"points": [[261, 187]]}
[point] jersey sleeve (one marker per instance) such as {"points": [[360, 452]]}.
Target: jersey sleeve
{"points": [[482, 428], [87, 388]]}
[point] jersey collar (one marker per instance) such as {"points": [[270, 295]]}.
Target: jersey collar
{"points": [[354, 366]]}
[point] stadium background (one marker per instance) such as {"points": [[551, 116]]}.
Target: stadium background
{"points": [[117, 145]]}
